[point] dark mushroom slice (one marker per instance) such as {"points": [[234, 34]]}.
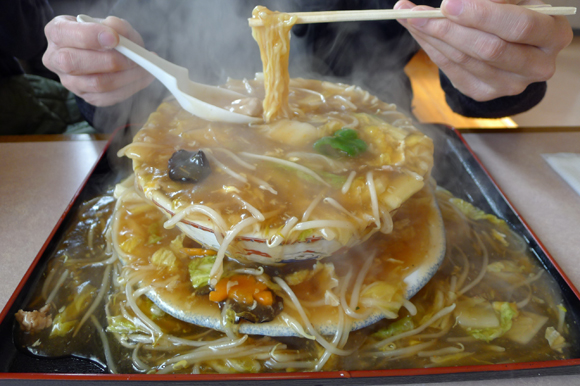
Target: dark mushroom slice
{"points": [[187, 166], [255, 313]]}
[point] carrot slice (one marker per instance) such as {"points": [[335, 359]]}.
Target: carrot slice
{"points": [[243, 289], [198, 251], [221, 291], [265, 298]]}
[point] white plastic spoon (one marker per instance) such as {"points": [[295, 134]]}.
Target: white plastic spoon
{"points": [[176, 79]]}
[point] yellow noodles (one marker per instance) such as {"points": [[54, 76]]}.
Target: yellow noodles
{"points": [[273, 37]]}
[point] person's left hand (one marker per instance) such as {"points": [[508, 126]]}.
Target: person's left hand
{"points": [[491, 48]]}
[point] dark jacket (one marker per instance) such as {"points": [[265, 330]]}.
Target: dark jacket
{"points": [[21, 33]]}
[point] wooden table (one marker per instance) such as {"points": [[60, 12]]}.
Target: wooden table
{"points": [[40, 175]]}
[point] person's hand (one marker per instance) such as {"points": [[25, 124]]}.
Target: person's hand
{"points": [[82, 55], [491, 48]]}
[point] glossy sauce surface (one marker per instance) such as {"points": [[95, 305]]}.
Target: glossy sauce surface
{"points": [[243, 160]]}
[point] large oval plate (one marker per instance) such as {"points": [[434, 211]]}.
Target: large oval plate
{"points": [[253, 248], [207, 315]]}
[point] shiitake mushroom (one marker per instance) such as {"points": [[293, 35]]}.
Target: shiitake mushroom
{"points": [[256, 313], [188, 166]]}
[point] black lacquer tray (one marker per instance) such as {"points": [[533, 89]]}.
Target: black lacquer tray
{"points": [[456, 169]]}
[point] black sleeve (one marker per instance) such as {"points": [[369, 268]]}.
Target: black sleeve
{"points": [[87, 110], [22, 27], [495, 108], [22, 33]]}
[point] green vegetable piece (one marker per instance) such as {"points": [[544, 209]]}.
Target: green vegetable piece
{"points": [[507, 312], [346, 133], [121, 325], [229, 318], [395, 328], [61, 328], [154, 310], [305, 234], [164, 258], [66, 320], [199, 269], [344, 142], [475, 213], [555, 339], [562, 308], [155, 233]]}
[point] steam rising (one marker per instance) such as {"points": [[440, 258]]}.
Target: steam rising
{"points": [[213, 40]]}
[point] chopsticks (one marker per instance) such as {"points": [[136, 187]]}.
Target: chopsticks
{"points": [[390, 14]]}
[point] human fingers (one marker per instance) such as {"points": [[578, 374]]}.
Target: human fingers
{"points": [[510, 22], [473, 77], [87, 65], [465, 45], [116, 95], [470, 75], [74, 61], [105, 82], [79, 48], [124, 28], [65, 31]]}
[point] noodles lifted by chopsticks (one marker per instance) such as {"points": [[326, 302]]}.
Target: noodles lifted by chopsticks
{"points": [[273, 38]]}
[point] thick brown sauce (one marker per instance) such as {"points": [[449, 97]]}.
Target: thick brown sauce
{"points": [[396, 255], [405, 152]]}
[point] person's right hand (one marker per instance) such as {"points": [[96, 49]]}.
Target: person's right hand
{"points": [[82, 55]]}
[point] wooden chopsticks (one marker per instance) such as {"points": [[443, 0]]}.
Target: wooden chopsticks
{"points": [[389, 14]]}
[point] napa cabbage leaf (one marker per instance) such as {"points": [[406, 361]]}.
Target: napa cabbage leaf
{"points": [[507, 312], [199, 269], [398, 327]]}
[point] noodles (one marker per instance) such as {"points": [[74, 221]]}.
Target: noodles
{"points": [[323, 342], [421, 328], [57, 286], [255, 212], [215, 217], [483, 268], [274, 41], [98, 299], [106, 348], [335, 204], [310, 209], [433, 338], [287, 163], [217, 269], [348, 182], [374, 201]]}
